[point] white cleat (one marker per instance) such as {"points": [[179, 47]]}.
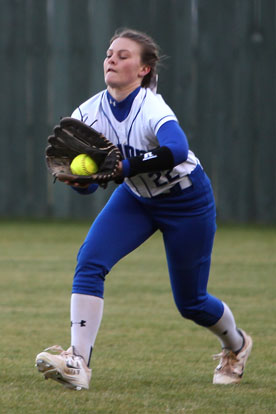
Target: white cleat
{"points": [[64, 367], [231, 366]]}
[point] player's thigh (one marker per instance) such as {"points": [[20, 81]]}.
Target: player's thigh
{"points": [[121, 226]]}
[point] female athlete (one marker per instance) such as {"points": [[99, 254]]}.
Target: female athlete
{"points": [[164, 188]]}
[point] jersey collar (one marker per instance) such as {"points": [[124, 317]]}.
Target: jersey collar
{"points": [[121, 109]]}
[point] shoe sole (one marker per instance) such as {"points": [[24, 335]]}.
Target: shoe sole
{"points": [[51, 372]]}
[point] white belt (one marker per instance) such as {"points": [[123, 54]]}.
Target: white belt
{"points": [[185, 182]]}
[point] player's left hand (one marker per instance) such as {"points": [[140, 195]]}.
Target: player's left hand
{"points": [[73, 137]]}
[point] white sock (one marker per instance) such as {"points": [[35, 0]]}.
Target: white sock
{"points": [[86, 316], [225, 329]]}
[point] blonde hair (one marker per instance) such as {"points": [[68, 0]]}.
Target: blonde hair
{"points": [[150, 51]]}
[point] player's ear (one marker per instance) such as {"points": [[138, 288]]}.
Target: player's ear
{"points": [[145, 69]]}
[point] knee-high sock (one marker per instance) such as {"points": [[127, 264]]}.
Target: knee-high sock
{"points": [[225, 329], [86, 316]]}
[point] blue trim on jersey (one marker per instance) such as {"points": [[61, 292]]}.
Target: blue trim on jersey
{"points": [[80, 114], [128, 135], [161, 119], [122, 109], [108, 120]]}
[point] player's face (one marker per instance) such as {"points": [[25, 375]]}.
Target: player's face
{"points": [[122, 65]]}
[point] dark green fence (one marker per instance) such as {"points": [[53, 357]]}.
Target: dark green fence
{"points": [[219, 77]]}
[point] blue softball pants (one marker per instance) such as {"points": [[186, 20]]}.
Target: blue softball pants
{"points": [[187, 221]]}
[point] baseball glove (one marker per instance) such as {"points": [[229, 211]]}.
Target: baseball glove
{"points": [[73, 137]]}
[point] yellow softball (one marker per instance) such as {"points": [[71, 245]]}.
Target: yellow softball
{"points": [[82, 164]]}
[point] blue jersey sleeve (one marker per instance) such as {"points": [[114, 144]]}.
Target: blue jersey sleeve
{"points": [[172, 136]]}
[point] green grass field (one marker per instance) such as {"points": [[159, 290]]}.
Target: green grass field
{"points": [[147, 359]]}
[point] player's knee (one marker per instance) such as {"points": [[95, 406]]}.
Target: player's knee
{"points": [[90, 264], [198, 315], [89, 277], [86, 284]]}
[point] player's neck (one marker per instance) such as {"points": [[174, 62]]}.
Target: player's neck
{"points": [[119, 94]]}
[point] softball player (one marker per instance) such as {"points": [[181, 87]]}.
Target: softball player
{"points": [[165, 188]]}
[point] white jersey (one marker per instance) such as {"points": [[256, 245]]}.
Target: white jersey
{"points": [[136, 135]]}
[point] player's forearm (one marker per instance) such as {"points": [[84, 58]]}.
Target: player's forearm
{"points": [[158, 159], [173, 150]]}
